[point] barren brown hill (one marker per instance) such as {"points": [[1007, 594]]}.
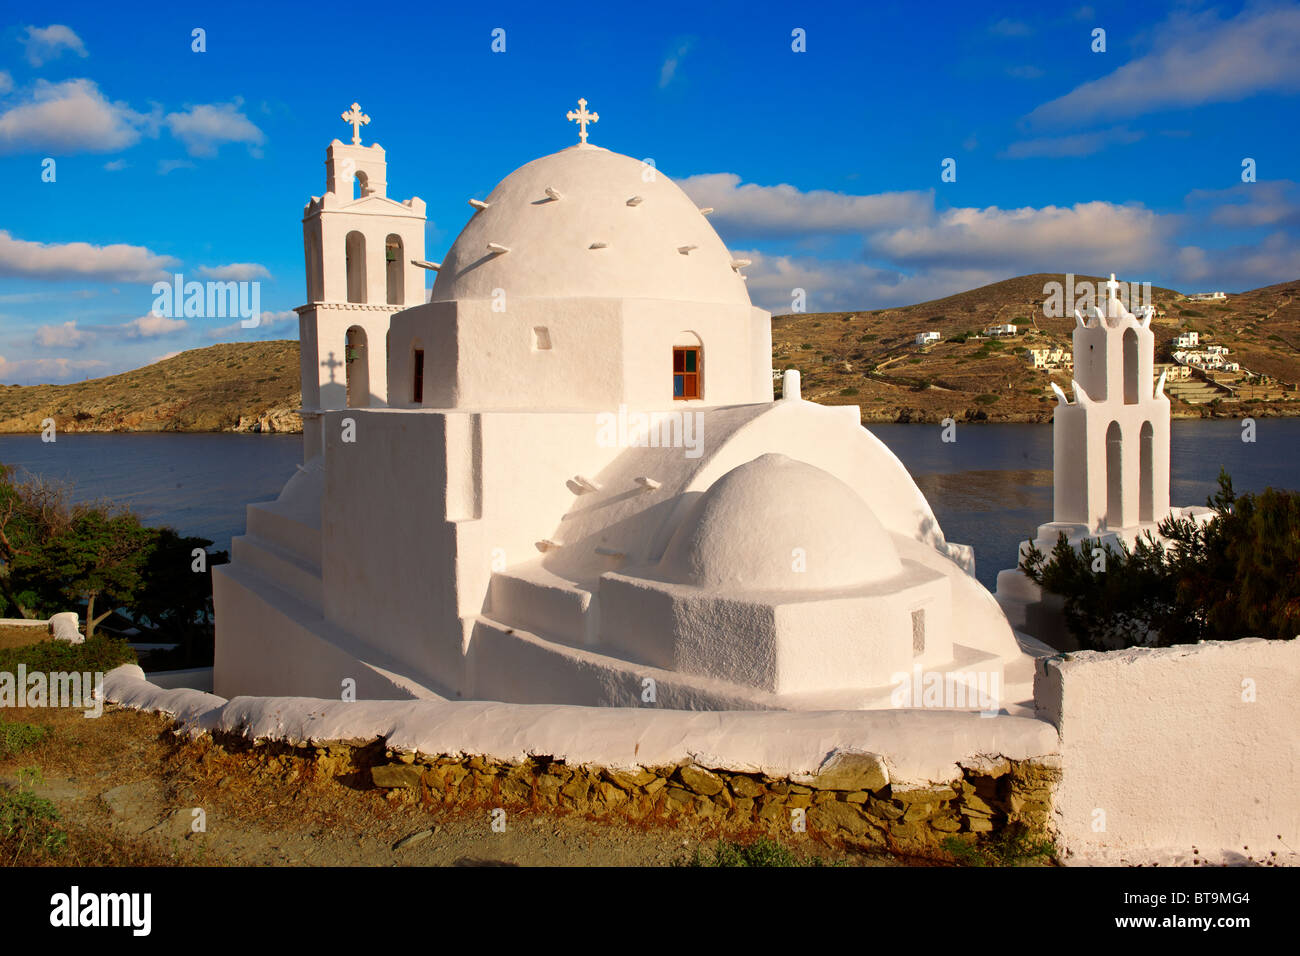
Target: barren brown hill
{"points": [[870, 359], [240, 386]]}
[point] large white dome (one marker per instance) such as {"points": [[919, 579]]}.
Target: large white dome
{"points": [[555, 244], [777, 524]]}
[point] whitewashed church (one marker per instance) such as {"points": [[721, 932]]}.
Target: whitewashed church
{"points": [[563, 478]]}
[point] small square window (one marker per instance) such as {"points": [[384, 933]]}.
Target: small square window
{"points": [[541, 338]]}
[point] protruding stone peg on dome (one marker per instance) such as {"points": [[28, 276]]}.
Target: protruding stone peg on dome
{"points": [[553, 193], [649, 484], [635, 201], [582, 118], [585, 485], [546, 544], [479, 204], [686, 250], [705, 210], [598, 245], [424, 264], [497, 249], [790, 389], [739, 264]]}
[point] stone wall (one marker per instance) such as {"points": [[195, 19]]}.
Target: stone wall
{"points": [[849, 801]]}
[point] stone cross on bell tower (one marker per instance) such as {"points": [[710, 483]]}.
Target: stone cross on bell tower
{"points": [[358, 119]]}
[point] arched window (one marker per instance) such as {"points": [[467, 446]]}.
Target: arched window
{"points": [[354, 250], [1114, 476], [1146, 474], [357, 363], [1130, 367], [688, 367], [393, 265], [361, 186]]}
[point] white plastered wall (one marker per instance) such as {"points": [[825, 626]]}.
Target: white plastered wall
{"points": [[1179, 748]]}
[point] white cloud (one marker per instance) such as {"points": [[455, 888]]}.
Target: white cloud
{"points": [[1078, 144], [1006, 27], [783, 210], [49, 43], [166, 166], [152, 326], [65, 336], [22, 371], [669, 68], [81, 260], [1093, 237], [1250, 205], [851, 285], [236, 271], [277, 323], [1198, 58], [165, 357], [70, 117], [205, 127], [1238, 268], [6, 82], [115, 165]]}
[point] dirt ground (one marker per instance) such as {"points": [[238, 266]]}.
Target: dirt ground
{"points": [[127, 790]]}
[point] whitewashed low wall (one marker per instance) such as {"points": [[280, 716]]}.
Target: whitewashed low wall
{"points": [[1173, 750], [918, 747]]}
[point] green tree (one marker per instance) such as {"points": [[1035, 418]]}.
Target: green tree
{"points": [[98, 558], [1236, 576]]}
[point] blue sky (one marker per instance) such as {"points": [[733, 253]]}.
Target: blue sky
{"points": [[824, 165]]}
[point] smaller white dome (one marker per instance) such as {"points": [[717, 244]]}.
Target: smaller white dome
{"points": [[762, 521]]}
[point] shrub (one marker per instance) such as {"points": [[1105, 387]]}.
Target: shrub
{"points": [[1238, 576], [848, 391], [986, 399], [16, 737], [98, 653], [29, 825]]}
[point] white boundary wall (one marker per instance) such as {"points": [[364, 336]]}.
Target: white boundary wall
{"points": [[1195, 747]]}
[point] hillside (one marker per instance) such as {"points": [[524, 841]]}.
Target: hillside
{"points": [[241, 386], [870, 359]]}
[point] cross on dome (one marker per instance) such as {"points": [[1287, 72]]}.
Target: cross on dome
{"points": [[1113, 287], [358, 119], [582, 117]]}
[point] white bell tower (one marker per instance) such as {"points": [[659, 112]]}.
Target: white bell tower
{"points": [[359, 247], [1111, 444]]}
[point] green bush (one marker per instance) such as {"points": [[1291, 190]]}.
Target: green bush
{"points": [[985, 399], [1238, 576], [848, 391], [16, 737], [762, 852], [99, 653], [29, 825]]}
